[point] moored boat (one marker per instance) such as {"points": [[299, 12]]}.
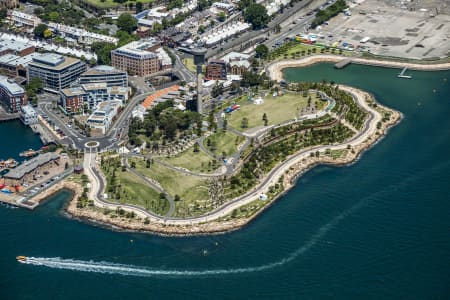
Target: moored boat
{"points": [[28, 153]]}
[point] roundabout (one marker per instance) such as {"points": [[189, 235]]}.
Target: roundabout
{"points": [[92, 144]]}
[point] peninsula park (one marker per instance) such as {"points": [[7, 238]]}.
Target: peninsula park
{"points": [[236, 159]]}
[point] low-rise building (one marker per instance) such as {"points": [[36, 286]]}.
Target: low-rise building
{"points": [[216, 70], [102, 118], [28, 115], [14, 65], [110, 75], [31, 169], [12, 95], [56, 71], [46, 46], [20, 19], [80, 35], [89, 96], [237, 63], [11, 46], [225, 7]]}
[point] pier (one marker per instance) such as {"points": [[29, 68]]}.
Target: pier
{"points": [[4, 117], [402, 74], [343, 63]]}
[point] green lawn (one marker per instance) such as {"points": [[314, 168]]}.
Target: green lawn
{"points": [[193, 161], [224, 142], [335, 154], [111, 3], [298, 50], [189, 63], [277, 109], [134, 190], [188, 187]]}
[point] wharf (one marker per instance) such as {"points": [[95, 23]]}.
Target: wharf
{"points": [[343, 63], [18, 201], [5, 117]]}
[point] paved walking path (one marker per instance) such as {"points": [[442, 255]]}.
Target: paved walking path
{"points": [[369, 129]]}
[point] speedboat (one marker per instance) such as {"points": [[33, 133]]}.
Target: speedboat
{"points": [[21, 258]]}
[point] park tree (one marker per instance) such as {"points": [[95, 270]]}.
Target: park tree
{"points": [[54, 16], [139, 7], [244, 123], [196, 148], [157, 27], [103, 51], [39, 30], [3, 14], [47, 33], [203, 4], [221, 16], [127, 23], [217, 90], [256, 14], [262, 51], [265, 119]]}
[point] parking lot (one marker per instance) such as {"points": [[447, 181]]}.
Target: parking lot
{"points": [[392, 29]]}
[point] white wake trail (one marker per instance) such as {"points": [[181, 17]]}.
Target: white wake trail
{"points": [[130, 270]]}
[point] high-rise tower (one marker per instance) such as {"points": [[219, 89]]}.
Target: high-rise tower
{"points": [[199, 61]]}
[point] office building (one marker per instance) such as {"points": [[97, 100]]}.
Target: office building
{"points": [[105, 74], [139, 58], [56, 71]]}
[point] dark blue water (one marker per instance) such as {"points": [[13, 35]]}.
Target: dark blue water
{"points": [[15, 138], [378, 229]]}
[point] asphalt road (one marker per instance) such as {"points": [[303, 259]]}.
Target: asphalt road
{"points": [[283, 19]]}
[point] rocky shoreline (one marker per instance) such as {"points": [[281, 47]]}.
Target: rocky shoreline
{"points": [[97, 216]]}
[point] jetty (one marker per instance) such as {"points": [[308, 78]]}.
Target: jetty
{"points": [[5, 117], [402, 74], [343, 63]]}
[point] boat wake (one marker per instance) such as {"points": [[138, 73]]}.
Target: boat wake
{"points": [[131, 270]]}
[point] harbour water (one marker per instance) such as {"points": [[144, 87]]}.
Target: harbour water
{"points": [[377, 229], [15, 138]]}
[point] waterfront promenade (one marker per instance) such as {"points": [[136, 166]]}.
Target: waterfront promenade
{"points": [[364, 138], [275, 69]]}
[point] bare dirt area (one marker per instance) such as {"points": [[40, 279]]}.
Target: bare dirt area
{"points": [[412, 29]]}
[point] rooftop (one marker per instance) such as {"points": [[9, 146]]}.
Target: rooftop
{"points": [[75, 91], [28, 110], [22, 61], [138, 49], [31, 165], [11, 85], [13, 45], [53, 61], [94, 86], [232, 56], [102, 70], [7, 58]]}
